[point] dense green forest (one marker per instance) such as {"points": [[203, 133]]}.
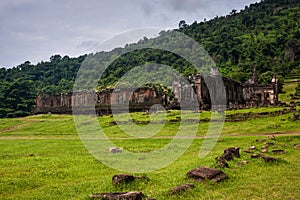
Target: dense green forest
{"points": [[264, 34]]}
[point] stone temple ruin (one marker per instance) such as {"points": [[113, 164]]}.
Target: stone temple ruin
{"points": [[238, 95]]}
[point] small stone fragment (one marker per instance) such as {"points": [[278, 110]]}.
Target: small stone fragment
{"points": [[242, 163], [271, 137], [235, 151], [28, 155], [122, 179], [264, 150], [222, 163], [125, 178], [181, 188], [113, 123], [260, 140], [201, 174], [245, 161], [252, 147], [115, 150], [119, 196], [267, 144], [226, 156], [278, 151], [268, 159], [295, 117], [248, 151], [296, 146], [256, 155]]}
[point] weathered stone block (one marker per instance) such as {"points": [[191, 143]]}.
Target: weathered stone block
{"points": [[182, 188], [296, 146], [119, 196], [201, 174], [122, 179], [268, 159], [278, 151], [255, 155]]}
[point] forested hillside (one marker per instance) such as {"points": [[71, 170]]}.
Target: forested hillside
{"points": [[264, 34], [20, 85]]}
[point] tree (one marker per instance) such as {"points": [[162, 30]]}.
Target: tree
{"points": [[17, 98], [182, 24], [55, 58], [233, 12]]}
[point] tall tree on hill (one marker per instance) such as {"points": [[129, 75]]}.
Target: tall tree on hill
{"points": [[17, 98]]}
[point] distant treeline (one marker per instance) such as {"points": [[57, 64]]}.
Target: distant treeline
{"points": [[264, 34]]}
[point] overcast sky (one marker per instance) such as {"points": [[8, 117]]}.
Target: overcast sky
{"points": [[36, 29]]}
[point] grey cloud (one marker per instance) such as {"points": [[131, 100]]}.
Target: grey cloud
{"points": [[186, 5], [36, 29], [207, 6], [88, 45], [147, 8]]}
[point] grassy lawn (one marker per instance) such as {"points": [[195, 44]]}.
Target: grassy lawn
{"points": [[42, 157], [7, 124], [288, 90]]}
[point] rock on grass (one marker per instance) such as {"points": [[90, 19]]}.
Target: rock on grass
{"points": [[201, 174], [181, 188], [119, 196], [125, 178]]}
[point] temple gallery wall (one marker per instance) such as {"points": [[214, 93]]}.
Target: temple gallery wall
{"points": [[199, 92]]}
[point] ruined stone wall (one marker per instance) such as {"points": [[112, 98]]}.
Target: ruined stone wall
{"points": [[206, 89], [83, 98], [260, 95], [139, 100], [234, 93], [60, 104], [192, 94]]}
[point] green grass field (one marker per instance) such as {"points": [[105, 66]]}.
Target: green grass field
{"points": [[42, 157], [288, 91]]}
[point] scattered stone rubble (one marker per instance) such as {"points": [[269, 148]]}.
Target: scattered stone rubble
{"points": [[119, 196], [199, 174], [264, 150]]}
